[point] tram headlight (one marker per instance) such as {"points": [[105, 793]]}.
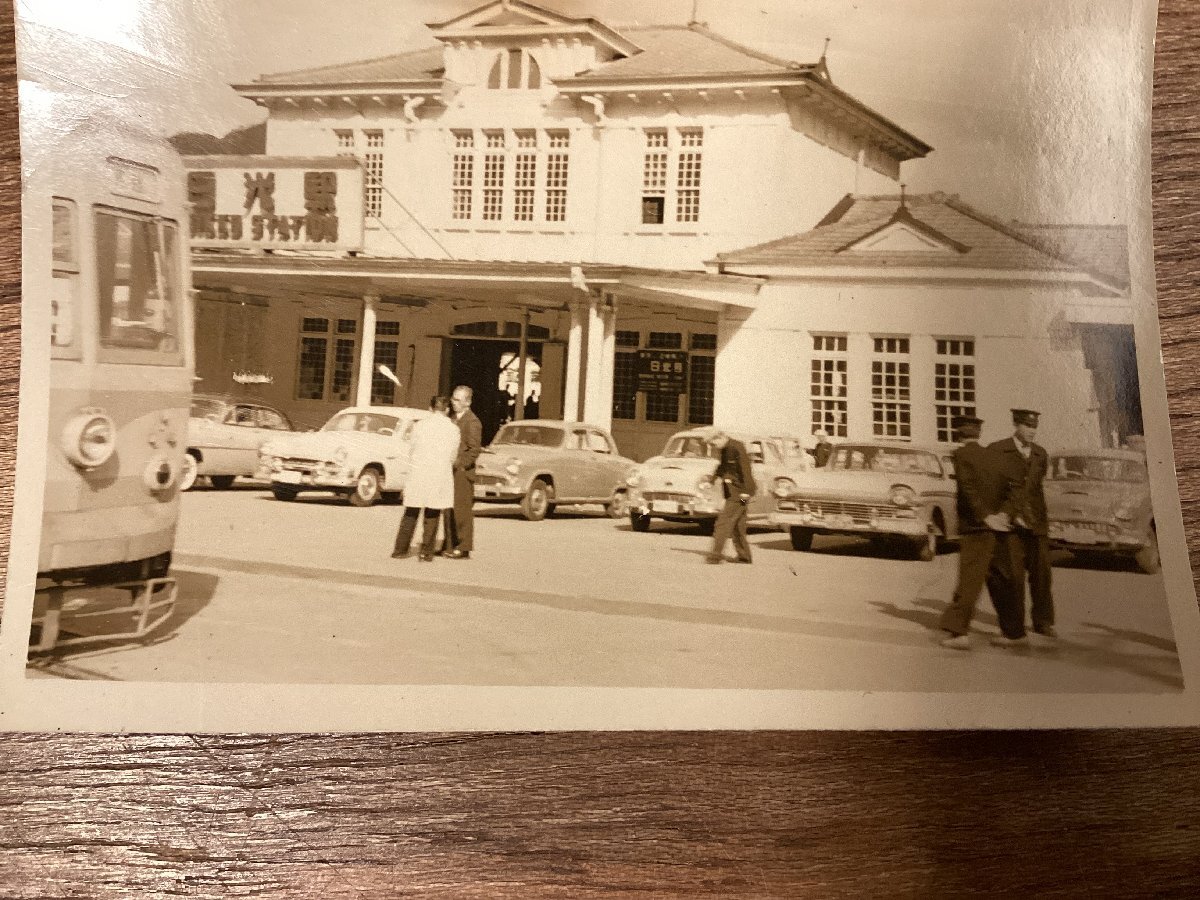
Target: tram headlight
{"points": [[89, 439]]}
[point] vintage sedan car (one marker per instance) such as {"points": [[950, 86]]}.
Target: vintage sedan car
{"points": [[674, 486], [360, 453], [1098, 503], [887, 492], [542, 464], [224, 436]]}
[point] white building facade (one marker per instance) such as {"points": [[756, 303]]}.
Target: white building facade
{"points": [[549, 205]]}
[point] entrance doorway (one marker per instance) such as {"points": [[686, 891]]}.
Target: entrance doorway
{"points": [[486, 365]]}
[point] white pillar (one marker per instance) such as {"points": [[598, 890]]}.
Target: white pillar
{"points": [[574, 367], [608, 366], [366, 351], [593, 383]]}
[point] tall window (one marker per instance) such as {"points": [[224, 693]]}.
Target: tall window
{"points": [[515, 70], [702, 379], [387, 353], [345, 141], [953, 383], [373, 174], [326, 367], [891, 401], [625, 379], [518, 176], [64, 300], [671, 173], [828, 386]]}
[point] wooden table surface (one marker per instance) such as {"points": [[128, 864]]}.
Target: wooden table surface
{"points": [[732, 814]]}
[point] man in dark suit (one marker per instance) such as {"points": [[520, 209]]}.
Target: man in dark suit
{"points": [[986, 498], [1028, 462], [460, 523], [737, 481]]}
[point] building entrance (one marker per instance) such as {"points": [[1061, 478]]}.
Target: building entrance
{"points": [[490, 369]]}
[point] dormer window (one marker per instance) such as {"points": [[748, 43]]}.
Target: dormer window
{"points": [[515, 70]]}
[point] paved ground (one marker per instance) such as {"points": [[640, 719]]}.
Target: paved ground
{"points": [[306, 592]]}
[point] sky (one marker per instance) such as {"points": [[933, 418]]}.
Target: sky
{"points": [[1033, 106]]}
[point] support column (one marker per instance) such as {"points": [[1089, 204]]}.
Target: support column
{"points": [[366, 351], [593, 384], [522, 366], [608, 364], [574, 367]]}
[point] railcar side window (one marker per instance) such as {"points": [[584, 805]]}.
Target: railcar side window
{"points": [[138, 283], [64, 302]]}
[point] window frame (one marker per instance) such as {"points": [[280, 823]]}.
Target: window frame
{"points": [[337, 333], [672, 177], [71, 271]]}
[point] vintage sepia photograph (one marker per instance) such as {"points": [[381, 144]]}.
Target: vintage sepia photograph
{"points": [[796, 359]]}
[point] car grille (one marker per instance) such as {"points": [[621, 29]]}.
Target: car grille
{"points": [[488, 479], [301, 465], [859, 512], [1103, 529], [669, 496]]}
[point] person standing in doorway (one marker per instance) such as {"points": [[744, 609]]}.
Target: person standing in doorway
{"points": [[986, 496], [1027, 463], [460, 525], [737, 480], [430, 482]]}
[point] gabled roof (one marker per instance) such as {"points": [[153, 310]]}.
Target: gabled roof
{"points": [[982, 241], [424, 64]]}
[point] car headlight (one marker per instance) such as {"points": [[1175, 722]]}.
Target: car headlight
{"points": [[903, 495], [89, 439], [784, 487], [704, 485], [340, 454], [513, 466], [634, 479]]}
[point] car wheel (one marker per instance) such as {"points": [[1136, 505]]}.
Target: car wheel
{"points": [[221, 482], [187, 475], [1147, 558], [925, 549], [281, 492], [368, 489], [536, 505], [802, 538], [639, 521], [618, 505]]}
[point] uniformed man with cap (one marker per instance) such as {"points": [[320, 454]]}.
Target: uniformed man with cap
{"points": [[736, 477], [986, 499], [1027, 462]]}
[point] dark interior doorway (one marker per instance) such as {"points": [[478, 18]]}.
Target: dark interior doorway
{"points": [[478, 364]]}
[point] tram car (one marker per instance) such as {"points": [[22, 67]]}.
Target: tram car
{"points": [[105, 251]]}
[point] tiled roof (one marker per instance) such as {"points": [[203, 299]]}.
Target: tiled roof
{"points": [[1103, 249], [681, 50], [413, 65], [988, 243]]}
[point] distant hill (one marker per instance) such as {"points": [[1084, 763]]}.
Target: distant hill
{"points": [[241, 141]]}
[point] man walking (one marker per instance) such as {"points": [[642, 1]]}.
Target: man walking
{"points": [[737, 480], [460, 525], [1027, 462], [430, 482], [986, 495]]}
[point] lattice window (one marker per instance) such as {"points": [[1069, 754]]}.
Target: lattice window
{"points": [[662, 407], [525, 170], [891, 400], [387, 353], [625, 385], [345, 142], [702, 380], [665, 340], [953, 383], [672, 164], [373, 174], [463, 182], [557, 170], [310, 375], [829, 384], [343, 369], [493, 183], [326, 365]]}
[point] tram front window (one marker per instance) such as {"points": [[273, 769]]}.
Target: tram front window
{"points": [[136, 273]]}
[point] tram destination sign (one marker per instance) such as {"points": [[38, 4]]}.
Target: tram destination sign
{"points": [[270, 202], [662, 371]]}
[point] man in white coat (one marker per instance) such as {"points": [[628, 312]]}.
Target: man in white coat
{"points": [[430, 482]]}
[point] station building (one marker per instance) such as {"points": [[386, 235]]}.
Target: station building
{"points": [[643, 228]]}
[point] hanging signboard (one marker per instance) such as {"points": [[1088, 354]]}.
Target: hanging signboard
{"points": [[273, 202], [662, 371]]}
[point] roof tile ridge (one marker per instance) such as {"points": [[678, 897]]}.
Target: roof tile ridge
{"points": [[353, 62], [748, 51]]}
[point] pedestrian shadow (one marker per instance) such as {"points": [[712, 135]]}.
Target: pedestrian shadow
{"points": [[1135, 637]]}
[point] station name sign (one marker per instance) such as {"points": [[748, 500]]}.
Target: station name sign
{"points": [[274, 202], [662, 371]]}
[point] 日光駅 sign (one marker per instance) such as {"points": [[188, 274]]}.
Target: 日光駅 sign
{"points": [[272, 202]]}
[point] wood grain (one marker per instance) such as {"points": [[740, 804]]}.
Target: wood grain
{"points": [[766, 814]]}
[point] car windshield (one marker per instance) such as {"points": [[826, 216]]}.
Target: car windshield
{"points": [[530, 435], [690, 448], [368, 423], [851, 458], [1097, 468], [205, 408]]}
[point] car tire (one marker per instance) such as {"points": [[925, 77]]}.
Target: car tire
{"points": [[368, 489], [286, 494], [536, 505], [1147, 559], [187, 473], [221, 482], [802, 538], [618, 505], [639, 521]]}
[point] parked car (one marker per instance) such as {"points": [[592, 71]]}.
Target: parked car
{"points": [[224, 437], [360, 453], [888, 492], [674, 487], [1098, 502], [542, 464]]}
